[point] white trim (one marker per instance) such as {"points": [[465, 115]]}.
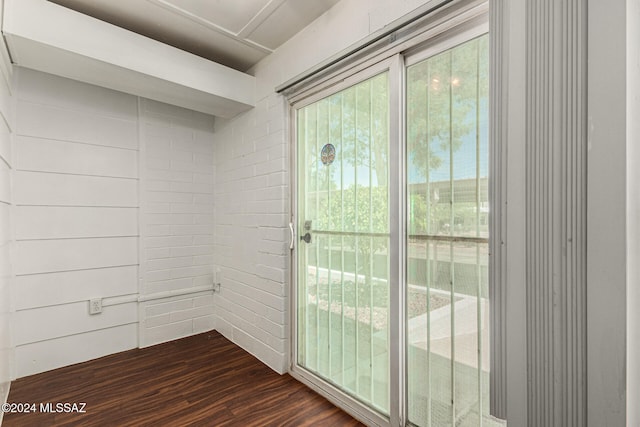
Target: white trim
{"points": [[448, 40], [350, 78], [293, 253], [397, 242], [142, 205], [498, 128], [508, 110], [607, 261], [633, 210]]}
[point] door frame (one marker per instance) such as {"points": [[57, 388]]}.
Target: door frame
{"points": [[394, 67], [431, 41]]}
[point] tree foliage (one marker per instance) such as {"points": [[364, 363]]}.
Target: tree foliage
{"points": [[443, 102]]}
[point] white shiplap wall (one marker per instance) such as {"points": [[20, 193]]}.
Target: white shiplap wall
{"points": [[176, 250], [6, 234], [76, 221]]}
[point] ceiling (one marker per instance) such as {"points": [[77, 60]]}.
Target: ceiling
{"points": [[235, 33]]}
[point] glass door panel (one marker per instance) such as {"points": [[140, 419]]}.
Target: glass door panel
{"points": [[343, 256], [447, 322]]}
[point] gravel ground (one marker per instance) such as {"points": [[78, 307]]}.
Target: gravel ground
{"points": [[417, 305]]}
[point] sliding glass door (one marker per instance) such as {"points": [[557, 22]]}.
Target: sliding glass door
{"points": [[391, 212], [343, 211], [447, 312]]}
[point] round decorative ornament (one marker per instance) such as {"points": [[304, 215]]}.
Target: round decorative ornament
{"points": [[328, 154]]}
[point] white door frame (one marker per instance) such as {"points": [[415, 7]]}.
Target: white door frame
{"points": [[455, 34]]}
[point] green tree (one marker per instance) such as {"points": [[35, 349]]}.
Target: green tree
{"points": [[442, 103]]}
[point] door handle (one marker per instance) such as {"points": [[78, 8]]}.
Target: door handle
{"points": [[293, 235], [306, 237]]}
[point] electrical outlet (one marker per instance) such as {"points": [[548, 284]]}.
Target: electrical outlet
{"points": [[95, 306]]}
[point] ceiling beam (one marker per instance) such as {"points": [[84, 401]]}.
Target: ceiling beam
{"points": [[47, 37]]}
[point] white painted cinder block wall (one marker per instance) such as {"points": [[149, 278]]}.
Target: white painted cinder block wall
{"points": [[86, 161], [252, 183], [176, 203]]}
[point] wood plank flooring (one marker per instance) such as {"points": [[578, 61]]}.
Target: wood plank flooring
{"points": [[203, 380]]}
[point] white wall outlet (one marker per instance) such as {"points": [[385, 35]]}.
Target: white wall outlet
{"points": [[95, 306]]}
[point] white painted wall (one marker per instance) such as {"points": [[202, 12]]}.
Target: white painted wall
{"points": [[177, 222], [607, 261], [6, 232], [75, 222], [252, 182], [633, 212]]}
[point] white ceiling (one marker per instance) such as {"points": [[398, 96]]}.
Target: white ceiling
{"points": [[236, 33]]}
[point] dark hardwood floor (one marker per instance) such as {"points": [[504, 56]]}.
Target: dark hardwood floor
{"points": [[203, 380]]}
